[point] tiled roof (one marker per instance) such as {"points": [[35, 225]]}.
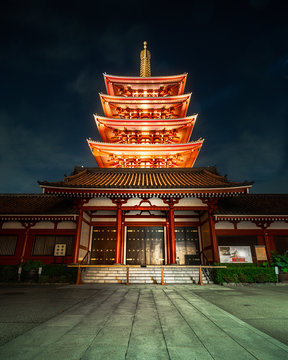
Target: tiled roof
{"points": [[204, 177], [38, 204], [254, 204]]}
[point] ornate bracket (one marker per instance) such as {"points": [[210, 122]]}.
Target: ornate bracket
{"points": [[118, 201], [212, 203], [78, 203], [263, 224], [28, 224], [171, 201]]}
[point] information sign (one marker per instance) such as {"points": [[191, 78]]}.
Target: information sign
{"points": [[235, 254]]}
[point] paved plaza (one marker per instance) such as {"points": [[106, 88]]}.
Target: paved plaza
{"points": [[142, 322]]}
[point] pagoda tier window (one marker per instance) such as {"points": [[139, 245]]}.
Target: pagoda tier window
{"points": [[160, 92], [132, 162], [152, 137], [8, 245], [44, 245], [128, 113]]}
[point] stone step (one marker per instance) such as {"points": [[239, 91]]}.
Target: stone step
{"points": [[146, 275]]}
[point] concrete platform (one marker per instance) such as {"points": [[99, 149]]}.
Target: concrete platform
{"points": [[127, 322]]}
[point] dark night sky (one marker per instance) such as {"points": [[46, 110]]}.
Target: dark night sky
{"points": [[53, 54]]}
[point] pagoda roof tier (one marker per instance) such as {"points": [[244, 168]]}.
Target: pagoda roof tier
{"points": [[203, 181], [145, 155], [175, 130], [145, 107], [145, 86]]}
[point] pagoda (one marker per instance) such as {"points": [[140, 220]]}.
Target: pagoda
{"points": [[145, 123], [145, 204]]}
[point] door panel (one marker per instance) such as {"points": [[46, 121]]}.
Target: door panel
{"points": [[187, 245], [135, 253], [145, 245], [103, 245]]}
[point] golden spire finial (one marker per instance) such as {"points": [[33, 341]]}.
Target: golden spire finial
{"points": [[145, 56]]}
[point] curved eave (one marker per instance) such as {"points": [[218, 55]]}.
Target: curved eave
{"points": [[150, 124], [140, 79], [143, 149], [111, 80], [180, 102], [40, 217], [183, 126], [266, 217], [186, 192], [108, 155], [146, 100]]}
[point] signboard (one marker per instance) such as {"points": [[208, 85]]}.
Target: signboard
{"points": [[60, 250], [260, 252], [235, 254]]}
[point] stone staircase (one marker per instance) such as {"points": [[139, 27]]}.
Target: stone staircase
{"points": [[142, 275]]}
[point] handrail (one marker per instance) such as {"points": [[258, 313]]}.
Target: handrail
{"points": [[86, 256], [206, 261]]}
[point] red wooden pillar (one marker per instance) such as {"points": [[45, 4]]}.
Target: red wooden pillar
{"points": [[171, 245], [118, 234], [27, 226], [267, 244], [264, 224], [78, 236], [168, 240], [172, 234], [119, 249], [122, 239], [213, 237]]}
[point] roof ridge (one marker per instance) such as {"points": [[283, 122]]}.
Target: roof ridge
{"points": [[74, 176]]}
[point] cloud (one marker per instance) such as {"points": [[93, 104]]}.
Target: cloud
{"points": [[27, 156], [253, 156]]}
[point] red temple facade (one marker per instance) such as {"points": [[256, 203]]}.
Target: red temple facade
{"points": [[145, 204]]}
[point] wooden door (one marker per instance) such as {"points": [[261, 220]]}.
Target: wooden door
{"points": [[103, 245], [187, 245], [145, 245]]}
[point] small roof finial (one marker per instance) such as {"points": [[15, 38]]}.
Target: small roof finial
{"points": [[145, 67]]}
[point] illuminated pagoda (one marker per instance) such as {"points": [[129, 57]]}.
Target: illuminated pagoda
{"points": [[145, 124], [145, 204]]}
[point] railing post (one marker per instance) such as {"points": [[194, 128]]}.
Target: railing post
{"points": [[127, 275], [200, 276], [162, 276], [78, 282]]}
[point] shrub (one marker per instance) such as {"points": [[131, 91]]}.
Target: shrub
{"points": [[8, 273], [244, 273], [58, 273]]}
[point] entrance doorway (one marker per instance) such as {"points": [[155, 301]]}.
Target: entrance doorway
{"points": [[145, 245], [103, 245], [187, 245]]}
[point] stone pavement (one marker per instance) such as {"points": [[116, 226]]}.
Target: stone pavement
{"points": [[139, 322]]}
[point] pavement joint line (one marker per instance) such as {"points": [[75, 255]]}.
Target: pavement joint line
{"points": [[220, 328], [106, 320], [52, 317], [41, 349], [242, 323], [132, 325], [160, 324], [201, 342]]}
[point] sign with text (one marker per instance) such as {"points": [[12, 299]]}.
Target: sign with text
{"points": [[261, 252], [235, 254]]}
